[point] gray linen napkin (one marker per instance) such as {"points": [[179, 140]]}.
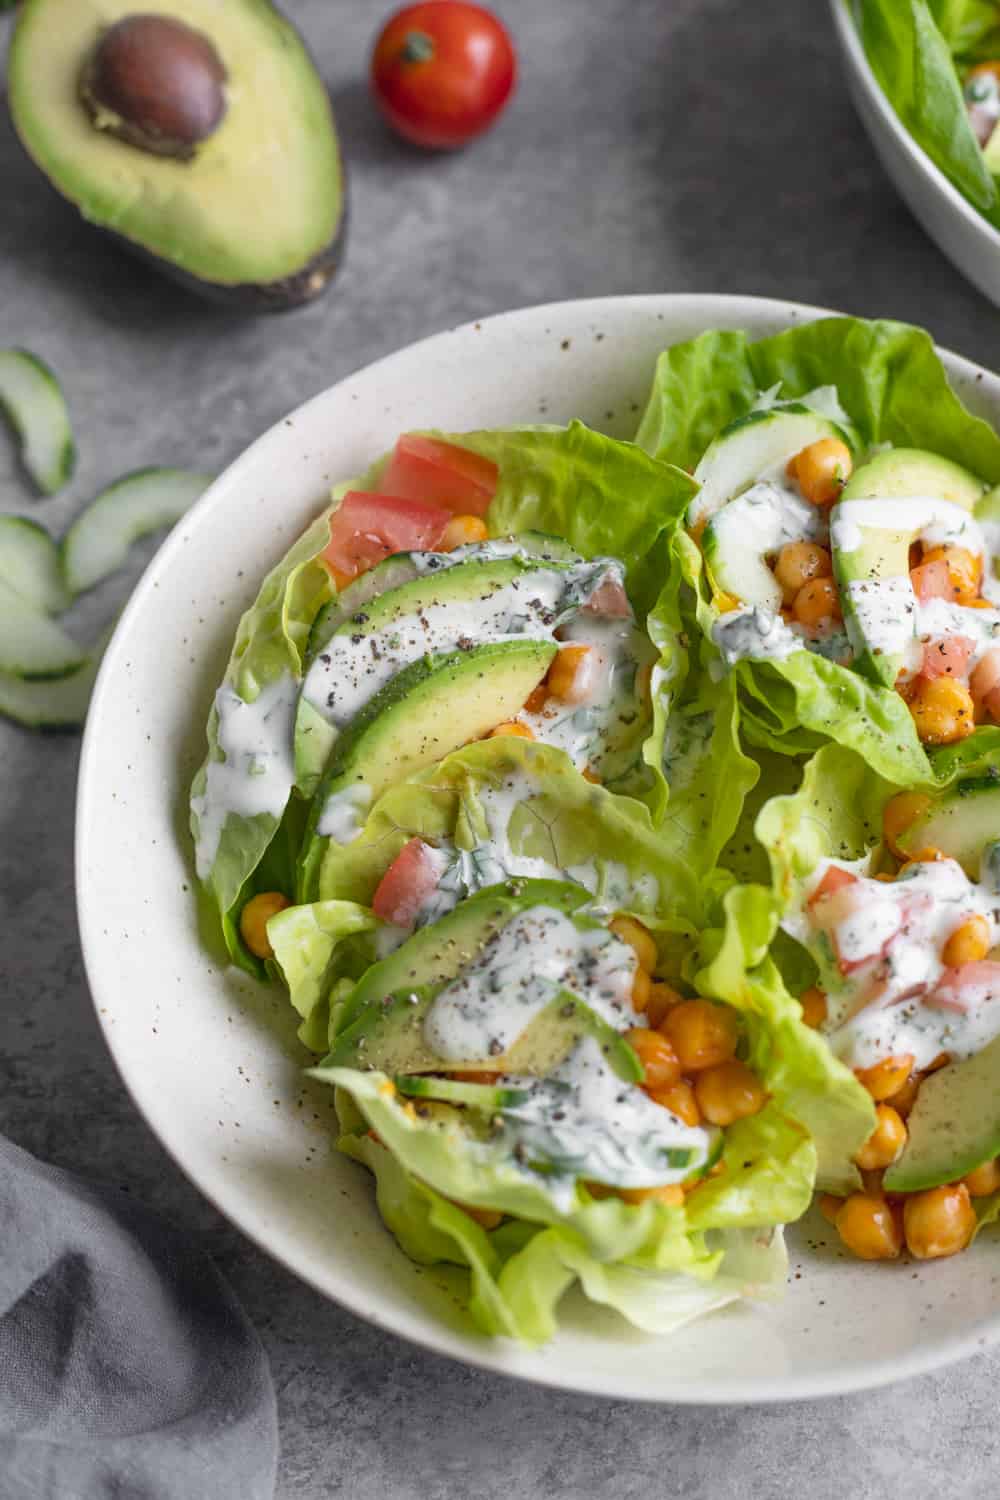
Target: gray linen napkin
{"points": [[128, 1371]]}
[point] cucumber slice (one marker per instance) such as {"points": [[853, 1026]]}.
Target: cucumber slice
{"points": [[743, 534], [486, 1096], [954, 1126], [97, 543], [751, 446], [32, 645], [29, 564], [52, 705], [960, 824], [32, 399]]}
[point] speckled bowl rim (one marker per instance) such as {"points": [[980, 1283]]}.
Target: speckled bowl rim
{"points": [[981, 390]]}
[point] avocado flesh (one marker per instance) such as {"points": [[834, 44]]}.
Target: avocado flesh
{"points": [[434, 706], [879, 618], [200, 221], [954, 1126]]}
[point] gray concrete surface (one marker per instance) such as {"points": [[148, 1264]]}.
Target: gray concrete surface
{"points": [[668, 145]]}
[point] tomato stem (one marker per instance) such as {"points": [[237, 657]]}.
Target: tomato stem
{"points": [[417, 47]]}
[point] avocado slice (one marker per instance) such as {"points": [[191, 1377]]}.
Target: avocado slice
{"points": [[432, 707], [749, 447], [440, 950], [470, 588], [886, 505], [963, 823], [390, 1038], [172, 139], [954, 1126]]}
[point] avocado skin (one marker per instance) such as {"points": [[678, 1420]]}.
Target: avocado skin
{"points": [[287, 294]]}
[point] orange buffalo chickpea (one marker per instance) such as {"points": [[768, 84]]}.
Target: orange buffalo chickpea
{"points": [[984, 1181], [662, 998], [813, 1003], [513, 728], [886, 1077], [254, 919], [671, 1194], [964, 571], [797, 563], [822, 470], [680, 1100], [969, 943], [571, 674], [943, 710], [487, 1218], [639, 939], [461, 530], [658, 1058], [816, 601], [869, 1227], [885, 1142], [899, 814], [730, 1091], [829, 1206], [641, 986], [703, 1033], [537, 699], [938, 1222], [905, 1097]]}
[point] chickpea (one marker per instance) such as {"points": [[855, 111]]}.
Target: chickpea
{"points": [[537, 699], [797, 563], [571, 675], [641, 986], [680, 1100], [460, 531], [658, 1058], [942, 710], [813, 1003], [254, 919], [823, 469], [671, 1194], [905, 1098], [885, 1142], [969, 943], [591, 776], [984, 1181], [487, 1218], [512, 727], [869, 1228], [639, 939], [939, 1222], [964, 571], [886, 1077], [816, 601], [702, 1032], [662, 998], [728, 1092], [899, 814], [829, 1206]]}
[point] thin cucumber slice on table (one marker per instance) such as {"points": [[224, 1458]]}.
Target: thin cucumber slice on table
{"points": [[32, 399], [98, 541], [32, 645], [29, 564], [52, 705]]}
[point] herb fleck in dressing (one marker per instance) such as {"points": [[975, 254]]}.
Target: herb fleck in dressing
{"points": [[878, 945]]}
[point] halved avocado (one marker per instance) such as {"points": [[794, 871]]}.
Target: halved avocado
{"points": [[434, 706], [903, 472], [201, 137], [954, 1126]]}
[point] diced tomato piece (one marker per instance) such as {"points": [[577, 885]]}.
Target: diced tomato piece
{"points": [[407, 883], [367, 528], [968, 985], [423, 468], [984, 684], [948, 657], [932, 580], [834, 879], [609, 599]]}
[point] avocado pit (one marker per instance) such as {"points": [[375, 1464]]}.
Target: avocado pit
{"points": [[156, 83]]}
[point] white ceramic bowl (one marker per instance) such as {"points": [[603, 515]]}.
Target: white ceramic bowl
{"points": [[211, 1059], [952, 222]]}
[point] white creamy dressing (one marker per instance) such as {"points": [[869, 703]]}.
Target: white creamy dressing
{"points": [[344, 812], [878, 945], [493, 550], [584, 1121], [519, 972], [356, 664], [256, 773]]}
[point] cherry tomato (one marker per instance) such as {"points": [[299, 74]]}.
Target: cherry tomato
{"points": [[443, 71], [412, 877], [368, 528], [437, 473]]}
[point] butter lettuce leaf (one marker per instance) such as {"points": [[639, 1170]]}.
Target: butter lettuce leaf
{"points": [[313, 951]]}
